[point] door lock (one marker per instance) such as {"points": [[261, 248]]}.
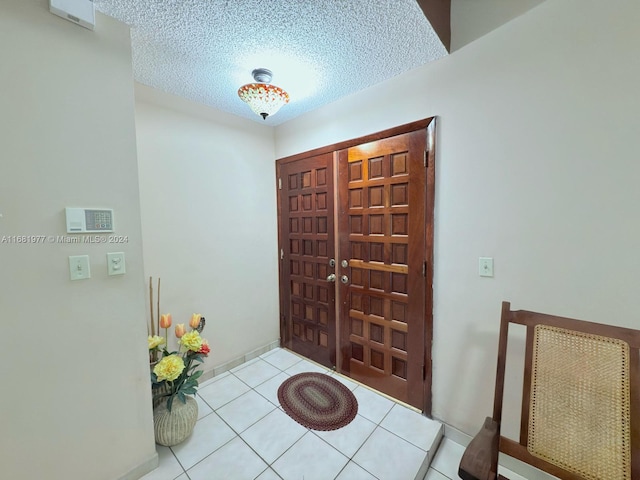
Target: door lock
{"points": [[332, 263], [331, 278], [344, 264], [344, 279]]}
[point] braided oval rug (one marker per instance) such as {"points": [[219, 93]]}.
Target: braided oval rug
{"points": [[317, 401]]}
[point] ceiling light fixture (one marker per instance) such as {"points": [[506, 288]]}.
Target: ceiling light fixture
{"points": [[263, 98]]}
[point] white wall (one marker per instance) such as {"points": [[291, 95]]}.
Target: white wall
{"points": [[75, 401], [536, 166], [471, 19], [209, 220]]}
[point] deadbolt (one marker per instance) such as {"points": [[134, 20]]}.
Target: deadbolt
{"points": [[344, 279], [332, 263], [344, 264]]}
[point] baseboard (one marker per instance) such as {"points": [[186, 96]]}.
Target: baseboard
{"points": [[523, 469], [142, 469], [225, 367], [516, 466], [456, 435]]}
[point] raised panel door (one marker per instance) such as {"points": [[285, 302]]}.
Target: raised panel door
{"points": [[382, 190], [307, 242], [376, 326]]}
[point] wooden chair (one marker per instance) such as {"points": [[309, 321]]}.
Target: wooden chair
{"points": [[580, 402]]}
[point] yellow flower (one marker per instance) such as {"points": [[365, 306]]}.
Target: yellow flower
{"points": [[169, 368], [155, 341], [195, 320], [191, 341]]}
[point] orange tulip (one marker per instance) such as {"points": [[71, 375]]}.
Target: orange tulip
{"points": [[180, 330], [165, 320], [195, 320]]}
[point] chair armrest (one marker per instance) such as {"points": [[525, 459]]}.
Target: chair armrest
{"points": [[480, 459]]}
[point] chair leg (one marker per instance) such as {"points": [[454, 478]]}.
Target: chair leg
{"points": [[480, 459]]}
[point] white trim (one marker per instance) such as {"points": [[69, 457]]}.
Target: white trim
{"points": [[225, 367], [505, 461], [142, 469]]}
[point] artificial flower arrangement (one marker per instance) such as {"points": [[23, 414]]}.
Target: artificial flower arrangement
{"points": [[175, 374]]}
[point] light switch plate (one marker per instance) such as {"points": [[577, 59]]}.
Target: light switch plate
{"points": [[115, 263], [79, 268], [485, 267]]}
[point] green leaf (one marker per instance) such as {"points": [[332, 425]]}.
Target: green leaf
{"points": [[182, 398], [190, 383], [196, 375], [189, 391]]}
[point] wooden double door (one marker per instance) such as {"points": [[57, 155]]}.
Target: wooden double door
{"points": [[356, 249]]}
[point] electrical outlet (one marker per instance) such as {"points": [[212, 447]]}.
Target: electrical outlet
{"points": [[115, 263]]}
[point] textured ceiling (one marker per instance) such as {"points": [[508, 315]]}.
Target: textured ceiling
{"points": [[318, 50]]}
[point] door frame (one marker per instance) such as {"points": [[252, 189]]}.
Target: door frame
{"points": [[429, 125]]}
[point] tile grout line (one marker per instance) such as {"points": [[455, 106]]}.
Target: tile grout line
{"points": [[239, 434], [280, 370], [286, 450], [269, 465], [351, 458], [208, 455]]}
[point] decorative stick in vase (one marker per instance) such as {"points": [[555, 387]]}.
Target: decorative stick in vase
{"points": [[151, 306], [158, 310]]}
